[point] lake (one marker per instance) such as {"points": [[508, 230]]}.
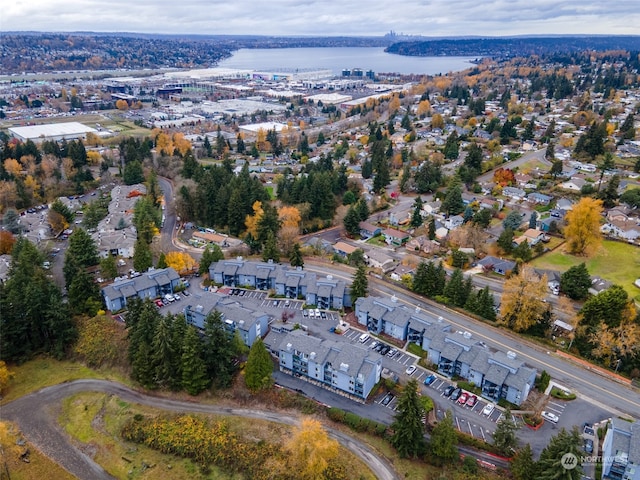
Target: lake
{"points": [[337, 59]]}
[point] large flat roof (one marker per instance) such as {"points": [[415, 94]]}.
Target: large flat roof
{"points": [[48, 130]]}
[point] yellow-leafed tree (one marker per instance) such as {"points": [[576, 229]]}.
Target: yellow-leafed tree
{"points": [[5, 376], [523, 299], [252, 221], [290, 227], [310, 450], [424, 107], [180, 261], [583, 226]]}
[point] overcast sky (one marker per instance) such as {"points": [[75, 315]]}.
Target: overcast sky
{"points": [[327, 17]]}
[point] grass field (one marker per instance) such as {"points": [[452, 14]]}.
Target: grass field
{"points": [[615, 261]]}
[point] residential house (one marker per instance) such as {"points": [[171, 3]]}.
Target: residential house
{"points": [[532, 236], [628, 230], [621, 450], [367, 230], [575, 184], [249, 324], [400, 271], [422, 244], [395, 237], [208, 238], [453, 222], [522, 179], [598, 285], [539, 198], [349, 370], [564, 204], [378, 259], [344, 249], [514, 193], [497, 265], [151, 284]]}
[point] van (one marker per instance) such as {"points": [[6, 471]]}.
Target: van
{"points": [[364, 337]]}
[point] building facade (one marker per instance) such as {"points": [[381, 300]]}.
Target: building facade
{"points": [[151, 284]]}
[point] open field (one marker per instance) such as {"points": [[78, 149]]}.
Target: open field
{"points": [[617, 262]]}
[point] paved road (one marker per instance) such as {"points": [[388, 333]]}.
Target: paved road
{"points": [[595, 388], [33, 415]]}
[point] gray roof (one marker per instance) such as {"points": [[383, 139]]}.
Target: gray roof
{"points": [[496, 375], [626, 439]]}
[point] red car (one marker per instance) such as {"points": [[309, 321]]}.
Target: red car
{"points": [[471, 402], [463, 398], [159, 303]]}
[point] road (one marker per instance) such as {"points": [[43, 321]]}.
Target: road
{"points": [[600, 390], [33, 414]]}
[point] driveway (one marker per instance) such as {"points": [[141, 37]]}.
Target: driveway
{"points": [[33, 414]]}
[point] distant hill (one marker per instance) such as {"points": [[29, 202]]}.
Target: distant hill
{"points": [[502, 47]]}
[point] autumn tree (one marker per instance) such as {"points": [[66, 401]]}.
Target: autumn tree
{"points": [[6, 242], [408, 429], [101, 342], [290, 219], [181, 262], [583, 226], [522, 299], [310, 450]]}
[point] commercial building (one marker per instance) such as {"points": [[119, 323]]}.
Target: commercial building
{"points": [[52, 131]]}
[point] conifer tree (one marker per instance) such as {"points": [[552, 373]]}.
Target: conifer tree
{"points": [[408, 429], [194, 369]]}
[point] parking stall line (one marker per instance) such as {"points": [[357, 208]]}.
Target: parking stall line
{"points": [[482, 433], [458, 424], [470, 429]]}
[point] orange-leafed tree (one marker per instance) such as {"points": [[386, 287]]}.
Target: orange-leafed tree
{"points": [[504, 177], [6, 242], [122, 105]]}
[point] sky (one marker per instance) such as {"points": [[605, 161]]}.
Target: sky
{"points": [[326, 17]]}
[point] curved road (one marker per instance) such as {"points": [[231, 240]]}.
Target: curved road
{"points": [[32, 414]]}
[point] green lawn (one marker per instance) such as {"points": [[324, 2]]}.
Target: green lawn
{"points": [[615, 261]]}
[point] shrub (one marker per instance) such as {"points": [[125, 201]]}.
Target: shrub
{"points": [[561, 394], [543, 381]]}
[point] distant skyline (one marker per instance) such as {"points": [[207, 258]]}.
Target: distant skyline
{"points": [[326, 17]]}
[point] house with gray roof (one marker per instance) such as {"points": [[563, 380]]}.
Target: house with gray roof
{"points": [[349, 370], [151, 284], [236, 317], [621, 451]]}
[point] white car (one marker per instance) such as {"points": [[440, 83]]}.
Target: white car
{"points": [[410, 369], [488, 410], [317, 312], [552, 417], [373, 344]]}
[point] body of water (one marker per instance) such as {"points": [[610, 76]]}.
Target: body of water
{"points": [[337, 59]]}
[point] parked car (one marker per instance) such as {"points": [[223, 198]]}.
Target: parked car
{"points": [[471, 402], [305, 313], [392, 352], [385, 349], [373, 344], [430, 379], [448, 391], [552, 417], [317, 312], [332, 330], [323, 315], [456, 393], [176, 296], [588, 445], [463, 398], [488, 409], [159, 303], [410, 369]]}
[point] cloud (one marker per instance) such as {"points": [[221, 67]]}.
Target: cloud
{"points": [[328, 17]]}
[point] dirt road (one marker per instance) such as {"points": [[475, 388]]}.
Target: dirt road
{"points": [[33, 414]]}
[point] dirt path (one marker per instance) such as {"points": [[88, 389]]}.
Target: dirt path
{"points": [[33, 414]]}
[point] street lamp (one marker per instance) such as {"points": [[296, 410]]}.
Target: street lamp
{"points": [[618, 362]]}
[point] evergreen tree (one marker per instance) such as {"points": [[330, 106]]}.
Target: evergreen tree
{"points": [[207, 148], [178, 334], [367, 169], [575, 282], [84, 296], [240, 146], [296, 259], [351, 222], [482, 217], [162, 261], [533, 219], [212, 253], [259, 367], [162, 355], [108, 267], [504, 438], [382, 177], [416, 218], [556, 168], [142, 258], [360, 285], [218, 350], [443, 445], [194, 369], [550, 152], [452, 203], [550, 466], [141, 319], [455, 289], [405, 178], [362, 209], [81, 254], [432, 229], [408, 429], [523, 466], [428, 178], [523, 251], [270, 251], [505, 240], [451, 147], [513, 220], [485, 305]]}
